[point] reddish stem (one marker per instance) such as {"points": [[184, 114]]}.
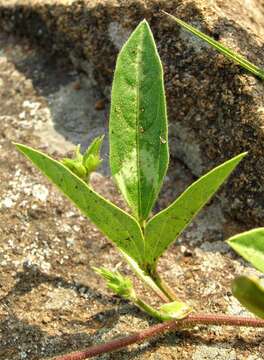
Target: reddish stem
{"points": [[191, 320]]}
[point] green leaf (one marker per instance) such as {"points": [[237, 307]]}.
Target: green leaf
{"points": [[164, 227], [175, 310], [232, 55], [138, 122], [116, 224], [250, 245], [249, 291], [91, 157]]}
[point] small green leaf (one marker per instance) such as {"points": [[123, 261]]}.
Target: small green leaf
{"points": [[249, 291], [138, 122], [232, 55], [76, 167], [116, 224], [118, 283], [76, 164], [175, 310], [250, 245], [91, 157], [164, 227]]}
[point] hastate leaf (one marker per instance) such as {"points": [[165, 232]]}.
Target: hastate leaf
{"points": [[138, 122], [164, 227], [116, 224], [249, 291], [250, 245]]}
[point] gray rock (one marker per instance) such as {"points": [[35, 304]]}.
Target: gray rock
{"points": [[215, 108]]}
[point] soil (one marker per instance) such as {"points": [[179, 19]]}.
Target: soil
{"points": [[51, 302]]}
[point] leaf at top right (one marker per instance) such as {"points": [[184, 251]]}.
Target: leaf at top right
{"points": [[250, 245], [164, 227], [229, 53]]}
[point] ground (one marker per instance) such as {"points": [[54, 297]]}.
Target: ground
{"points": [[51, 302]]}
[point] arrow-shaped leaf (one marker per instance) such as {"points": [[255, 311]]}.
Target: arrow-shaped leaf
{"points": [[116, 224], [164, 227], [249, 291], [250, 245], [138, 122]]}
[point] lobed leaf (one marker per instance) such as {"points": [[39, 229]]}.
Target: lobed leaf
{"points": [[249, 291], [164, 227], [250, 245], [138, 122], [116, 224], [232, 55]]}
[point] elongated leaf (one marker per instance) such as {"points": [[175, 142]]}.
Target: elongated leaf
{"points": [[249, 291], [164, 227], [232, 55], [138, 122], [250, 245], [117, 225]]}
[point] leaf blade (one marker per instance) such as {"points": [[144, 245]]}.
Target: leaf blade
{"points": [[165, 226], [138, 122], [232, 55], [116, 224], [249, 291], [250, 245]]}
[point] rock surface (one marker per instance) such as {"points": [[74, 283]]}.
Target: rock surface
{"points": [[51, 302], [215, 108]]}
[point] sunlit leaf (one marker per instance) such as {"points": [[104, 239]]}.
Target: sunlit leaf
{"points": [[116, 224], [164, 227], [138, 122], [250, 245], [250, 293]]}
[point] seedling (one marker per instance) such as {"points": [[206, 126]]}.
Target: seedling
{"points": [[139, 156], [249, 290]]}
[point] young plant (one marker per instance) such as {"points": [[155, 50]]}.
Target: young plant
{"points": [[139, 157], [229, 53], [249, 290]]}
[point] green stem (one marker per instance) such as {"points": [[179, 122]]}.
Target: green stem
{"points": [[164, 287], [150, 310], [148, 280]]}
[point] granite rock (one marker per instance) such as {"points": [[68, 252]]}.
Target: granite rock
{"points": [[215, 108]]}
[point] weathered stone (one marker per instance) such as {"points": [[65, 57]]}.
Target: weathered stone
{"points": [[215, 108]]}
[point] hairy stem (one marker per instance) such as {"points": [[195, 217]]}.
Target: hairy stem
{"points": [[158, 329], [147, 280]]}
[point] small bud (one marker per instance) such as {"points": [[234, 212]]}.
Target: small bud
{"points": [[119, 284], [76, 167], [91, 157]]}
